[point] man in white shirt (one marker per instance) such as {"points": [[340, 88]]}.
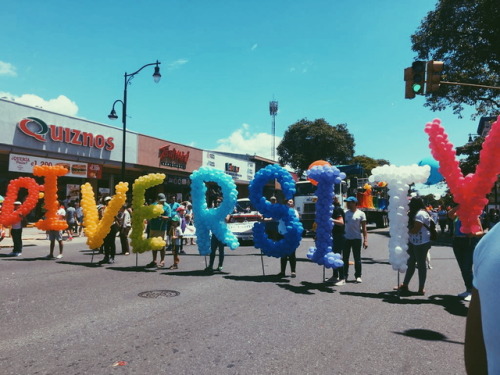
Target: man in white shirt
{"points": [[16, 232], [482, 332], [355, 229], [56, 235]]}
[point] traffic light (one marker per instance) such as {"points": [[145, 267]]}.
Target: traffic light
{"points": [[409, 93], [418, 70], [433, 78]]}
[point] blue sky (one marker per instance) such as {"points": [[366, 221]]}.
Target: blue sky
{"points": [[222, 62]]}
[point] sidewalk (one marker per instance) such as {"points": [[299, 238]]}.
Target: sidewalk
{"points": [[32, 236]]}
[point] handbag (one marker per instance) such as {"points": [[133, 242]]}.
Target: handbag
{"points": [[432, 230]]}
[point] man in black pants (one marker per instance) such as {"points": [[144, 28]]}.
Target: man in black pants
{"points": [[109, 240]]}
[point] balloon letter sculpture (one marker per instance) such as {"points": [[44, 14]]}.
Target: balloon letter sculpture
{"points": [[213, 219], [291, 240], [142, 212], [326, 176], [96, 229], [469, 191], [51, 173], [398, 180], [8, 215]]}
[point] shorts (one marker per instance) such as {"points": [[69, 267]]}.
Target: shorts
{"points": [[157, 233], [55, 235]]}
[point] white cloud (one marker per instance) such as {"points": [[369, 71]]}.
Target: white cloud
{"points": [[7, 69], [243, 141], [61, 104], [177, 64], [254, 47]]}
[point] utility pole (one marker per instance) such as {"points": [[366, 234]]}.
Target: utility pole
{"points": [[273, 111]]}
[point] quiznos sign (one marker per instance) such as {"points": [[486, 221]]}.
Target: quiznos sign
{"points": [[39, 130]]}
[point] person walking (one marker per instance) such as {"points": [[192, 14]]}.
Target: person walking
{"points": [[419, 222], [125, 223], [158, 228], [463, 248], [110, 239], [292, 258], [79, 219], [338, 236], [71, 220], [16, 232], [216, 245], [356, 236], [176, 236], [57, 235]]}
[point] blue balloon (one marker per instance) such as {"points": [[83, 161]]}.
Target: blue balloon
{"points": [[435, 176]]}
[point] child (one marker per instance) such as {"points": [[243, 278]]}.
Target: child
{"points": [[176, 235]]}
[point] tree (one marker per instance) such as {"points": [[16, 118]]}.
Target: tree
{"points": [[368, 163], [471, 151], [465, 35], [307, 141]]}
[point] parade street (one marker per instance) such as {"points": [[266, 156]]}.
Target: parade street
{"points": [[72, 317]]}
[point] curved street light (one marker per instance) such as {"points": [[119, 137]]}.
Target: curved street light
{"points": [[113, 116]]}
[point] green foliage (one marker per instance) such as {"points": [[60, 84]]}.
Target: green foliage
{"points": [[471, 152], [307, 141], [368, 163], [465, 35]]}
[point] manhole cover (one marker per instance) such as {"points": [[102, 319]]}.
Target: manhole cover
{"points": [[159, 293]]}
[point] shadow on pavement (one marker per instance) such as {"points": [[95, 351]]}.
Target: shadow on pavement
{"points": [[202, 273], [258, 278], [373, 261], [307, 288], [83, 264], [451, 304], [427, 334], [21, 259], [131, 269]]}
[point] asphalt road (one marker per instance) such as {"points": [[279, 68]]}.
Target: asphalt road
{"points": [[71, 317]]}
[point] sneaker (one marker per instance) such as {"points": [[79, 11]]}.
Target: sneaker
{"points": [[332, 280], [468, 298], [209, 269], [339, 283], [150, 265], [219, 268], [59, 256], [50, 257], [294, 275], [280, 275], [17, 254], [12, 254], [104, 261], [111, 261], [464, 294], [358, 280], [182, 252]]}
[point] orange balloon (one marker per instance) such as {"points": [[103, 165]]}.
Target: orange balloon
{"points": [[314, 164]]}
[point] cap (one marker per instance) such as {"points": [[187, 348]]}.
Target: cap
{"points": [[181, 208], [17, 202], [351, 199], [161, 197], [108, 198]]}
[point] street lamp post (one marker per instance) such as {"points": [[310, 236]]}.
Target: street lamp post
{"points": [[113, 116]]}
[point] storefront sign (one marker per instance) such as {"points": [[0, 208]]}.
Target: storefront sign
{"points": [[39, 130], [94, 171], [173, 157], [25, 164], [238, 169]]}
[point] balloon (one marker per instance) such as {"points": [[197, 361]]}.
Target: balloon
{"points": [[435, 176], [141, 213], [469, 191], [313, 164], [291, 239], [327, 176], [212, 219], [50, 173], [399, 179], [8, 216], [96, 229]]}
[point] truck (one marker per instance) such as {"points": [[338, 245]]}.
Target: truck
{"points": [[242, 220], [305, 202], [373, 200]]}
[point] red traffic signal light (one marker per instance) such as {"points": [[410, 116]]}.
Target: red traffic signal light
{"points": [[433, 77]]}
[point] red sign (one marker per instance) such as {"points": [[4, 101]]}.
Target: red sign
{"points": [[94, 171], [39, 130], [173, 157]]}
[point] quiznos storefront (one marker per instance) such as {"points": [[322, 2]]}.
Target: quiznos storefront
{"points": [[90, 151]]}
